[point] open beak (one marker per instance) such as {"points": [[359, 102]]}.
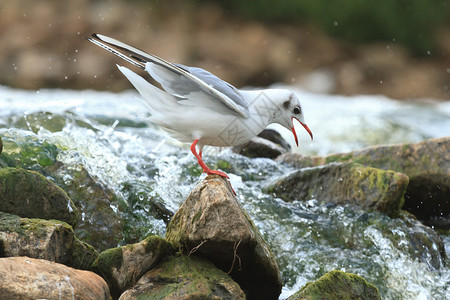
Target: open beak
{"points": [[295, 134]]}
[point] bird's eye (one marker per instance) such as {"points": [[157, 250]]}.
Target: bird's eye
{"points": [[297, 110]]}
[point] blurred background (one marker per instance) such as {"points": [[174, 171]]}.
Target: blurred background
{"points": [[398, 48]]}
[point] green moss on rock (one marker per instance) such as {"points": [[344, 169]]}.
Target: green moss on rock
{"points": [[338, 285], [108, 259], [121, 267], [30, 194], [48, 239], [186, 277], [345, 183]]}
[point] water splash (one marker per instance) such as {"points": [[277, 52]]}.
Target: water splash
{"points": [[152, 175]]}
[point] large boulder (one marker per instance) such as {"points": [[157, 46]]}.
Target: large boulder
{"points": [[121, 267], [212, 224], [185, 278], [348, 183], [29, 278], [427, 164], [338, 285], [46, 239], [31, 195]]}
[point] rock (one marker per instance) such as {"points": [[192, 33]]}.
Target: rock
{"points": [[268, 143], [29, 278], [427, 164], [122, 267], [100, 220], [51, 240], [212, 224], [185, 278], [275, 137], [423, 243], [349, 183], [29, 194], [338, 285], [102, 225]]}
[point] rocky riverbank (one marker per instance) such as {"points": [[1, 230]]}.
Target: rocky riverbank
{"points": [[212, 247]]}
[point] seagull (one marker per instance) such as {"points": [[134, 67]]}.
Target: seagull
{"points": [[195, 106]]}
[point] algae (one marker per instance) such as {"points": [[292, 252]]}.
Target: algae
{"points": [[30, 194], [183, 276], [337, 285]]}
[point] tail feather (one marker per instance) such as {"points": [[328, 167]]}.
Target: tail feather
{"points": [[131, 54], [157, 100]]}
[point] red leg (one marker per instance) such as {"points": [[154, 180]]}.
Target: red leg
{"points": [[202, 164]]}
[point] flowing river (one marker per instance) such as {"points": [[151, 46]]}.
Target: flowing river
{"points": [[107, 135]]}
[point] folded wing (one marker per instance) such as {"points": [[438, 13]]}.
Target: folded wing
{"points": [[182, 81]]}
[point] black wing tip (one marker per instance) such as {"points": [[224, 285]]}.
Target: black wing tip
{"points": [[93, 36]]}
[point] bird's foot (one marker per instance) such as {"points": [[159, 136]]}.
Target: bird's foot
{"points": [[216, 172], [222, 174]]}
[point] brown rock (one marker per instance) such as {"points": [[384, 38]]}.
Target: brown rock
{"points": [[51, 240], [185, 278], [212, 224], [123, 266], [29, 278]]}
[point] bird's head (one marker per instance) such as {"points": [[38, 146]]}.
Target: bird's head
{"points": [[292, 110]]}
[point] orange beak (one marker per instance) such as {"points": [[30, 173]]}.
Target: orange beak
{"points": [[304, 125]]}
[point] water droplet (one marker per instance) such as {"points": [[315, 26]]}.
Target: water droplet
{"points": [[335, 23]]}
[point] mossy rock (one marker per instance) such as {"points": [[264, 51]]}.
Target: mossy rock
{"points": [[427, 164], [338, 285], [345, 183], [27, 151], [121, 267], [52, 240], [212, 224], [30, 194], [185, 277]]}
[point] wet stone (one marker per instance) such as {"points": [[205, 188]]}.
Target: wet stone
{"points": [[30, 194], [212, 224], [427, 164], [29, 278], [121, 267], [269, 143], [344, 183], [185, 278], [52, 240], [338, 285]]}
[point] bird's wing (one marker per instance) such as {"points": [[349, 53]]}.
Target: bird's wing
{"points": [[177, 79]]}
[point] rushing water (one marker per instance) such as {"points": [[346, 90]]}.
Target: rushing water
{"points": [[107, 135]]}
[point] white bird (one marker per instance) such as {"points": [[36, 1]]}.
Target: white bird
{"points": [[198, 107]]}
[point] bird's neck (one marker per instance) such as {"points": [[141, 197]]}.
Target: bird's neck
{"points": [[263, 107]]}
